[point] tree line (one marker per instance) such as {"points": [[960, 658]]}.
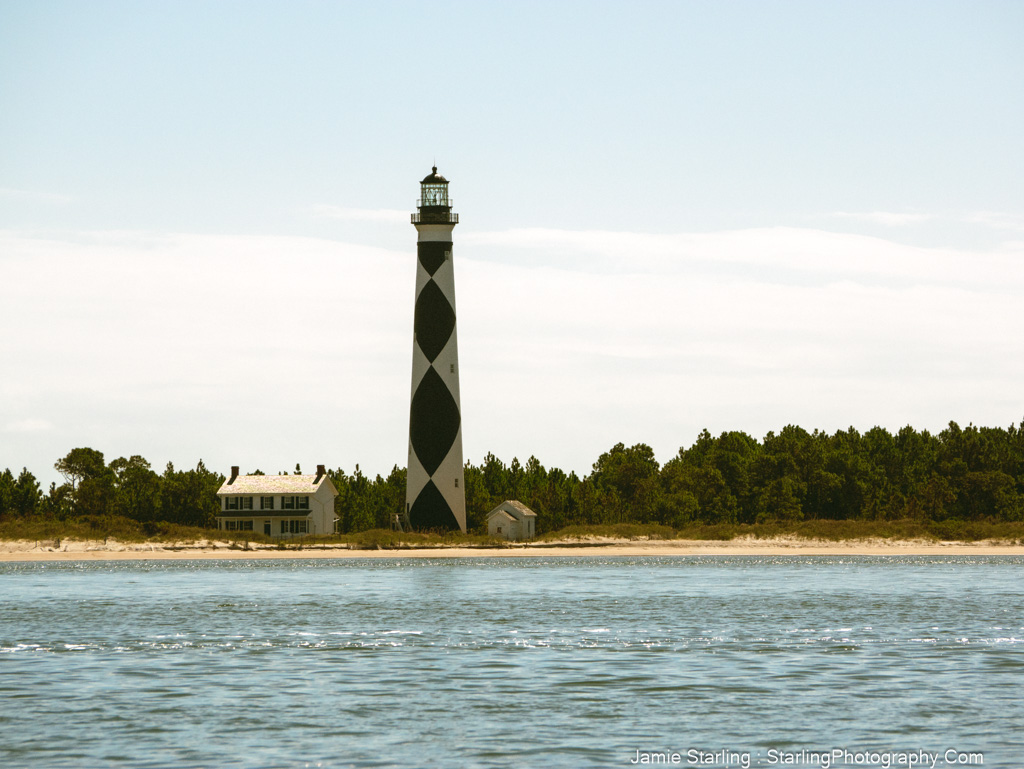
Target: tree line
{"points": [[125, 487], [966, 474]]}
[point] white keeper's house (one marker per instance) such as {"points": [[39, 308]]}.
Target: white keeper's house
{"points": [[512, 520], [278, 505]]}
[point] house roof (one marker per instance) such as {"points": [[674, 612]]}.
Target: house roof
{"points": [[276, 484], [515, 508]]}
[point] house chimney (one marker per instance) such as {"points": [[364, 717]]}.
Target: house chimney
{"points": [[234, 474], [321, 471]]}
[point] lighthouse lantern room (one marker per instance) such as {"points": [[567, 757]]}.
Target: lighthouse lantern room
{"points": [[435, 207]]}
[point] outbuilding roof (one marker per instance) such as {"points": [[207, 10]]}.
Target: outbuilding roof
{"points": [[523, 509], [275, 484], [513, 508]]}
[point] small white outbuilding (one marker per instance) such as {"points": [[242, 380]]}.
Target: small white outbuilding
{"points": [[512, 520]]}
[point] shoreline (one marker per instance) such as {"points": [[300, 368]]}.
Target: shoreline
{"points": [[111, 550]]}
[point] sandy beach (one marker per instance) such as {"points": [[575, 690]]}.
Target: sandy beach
{"points": [[112, 550]]}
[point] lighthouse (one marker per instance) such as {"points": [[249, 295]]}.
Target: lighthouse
{"points": [[435, 496]]}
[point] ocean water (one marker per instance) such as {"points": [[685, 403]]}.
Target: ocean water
{"points": [[539, 662]]}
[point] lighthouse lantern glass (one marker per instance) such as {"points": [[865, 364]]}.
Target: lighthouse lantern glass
{"points": [[434, 194]]}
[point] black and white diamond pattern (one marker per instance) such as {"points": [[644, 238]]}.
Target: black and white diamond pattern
{"points": [[435, 485]]}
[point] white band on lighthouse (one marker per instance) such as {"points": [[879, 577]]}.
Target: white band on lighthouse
{"points": [[435, 232]]}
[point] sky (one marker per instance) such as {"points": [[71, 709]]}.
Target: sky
{"points": [[674, 216]]}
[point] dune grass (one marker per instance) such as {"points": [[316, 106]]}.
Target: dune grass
{"points": [[103, 527], [835, 531], [100, 527], [42, 528]]}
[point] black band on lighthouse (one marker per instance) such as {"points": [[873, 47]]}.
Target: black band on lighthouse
{"points": [[434, 320], [431, 510], [432, 254], [434, 421]]}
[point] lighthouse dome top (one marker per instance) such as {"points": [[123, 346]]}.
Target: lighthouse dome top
{"points": [[434, 178]]}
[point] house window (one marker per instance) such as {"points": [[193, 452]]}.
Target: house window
{"points": [[238, 525], [287, 503], [266, 503], [456, 483], [300, 526], [302, 503], [246, 503]]}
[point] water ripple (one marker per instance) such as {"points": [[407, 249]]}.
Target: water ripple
{"points": [[561, 662]]}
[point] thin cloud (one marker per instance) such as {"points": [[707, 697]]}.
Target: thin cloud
{"points": [[388, 215], [28, 426], [30, 196], [996, 220], [775, 254], [887, 218]]}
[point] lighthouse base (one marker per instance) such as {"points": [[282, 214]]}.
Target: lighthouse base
{"points": [[430, 511]]}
